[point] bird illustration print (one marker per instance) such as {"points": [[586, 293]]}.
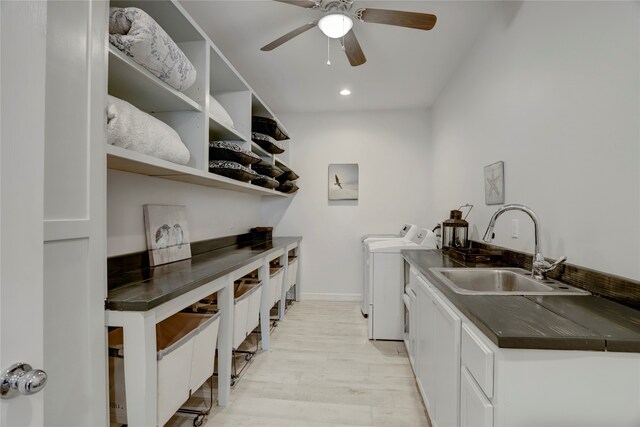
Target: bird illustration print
{"points": [[162, 236], [178, 235], [338, 182]]}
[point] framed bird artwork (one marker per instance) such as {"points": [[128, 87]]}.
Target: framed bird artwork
{"points": [[167, 233], [343, 181]]}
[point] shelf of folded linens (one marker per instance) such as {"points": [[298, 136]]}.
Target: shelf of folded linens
{"points": [[255, 148], [121, 159], [133, 83], [259, 108], [222, 132], [279, 162]]}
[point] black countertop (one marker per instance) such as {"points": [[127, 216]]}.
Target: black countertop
{"points": [[539, 322], [142, 290]]}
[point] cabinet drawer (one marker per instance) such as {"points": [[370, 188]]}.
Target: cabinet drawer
{"points": [[478, 358], [475, 408]]}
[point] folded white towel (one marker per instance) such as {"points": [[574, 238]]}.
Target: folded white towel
{"points": [[135, 33], [130, 128], [219, 113]]}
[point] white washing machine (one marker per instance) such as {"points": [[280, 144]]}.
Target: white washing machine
{"points": [[384, 283], [406, 233]]}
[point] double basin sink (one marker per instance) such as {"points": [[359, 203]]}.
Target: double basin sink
{"points": [[501, 281]]}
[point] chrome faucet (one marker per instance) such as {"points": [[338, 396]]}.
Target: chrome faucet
{"points": [[540, 266]]}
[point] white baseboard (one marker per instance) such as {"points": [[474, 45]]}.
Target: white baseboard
{"points": [[308, 296]]}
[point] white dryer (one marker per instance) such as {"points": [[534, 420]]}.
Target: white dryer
{"points": [[384, 283], [406, 233]]}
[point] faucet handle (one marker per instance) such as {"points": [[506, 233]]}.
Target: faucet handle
{"points": [[559, 261], [542, 266]]}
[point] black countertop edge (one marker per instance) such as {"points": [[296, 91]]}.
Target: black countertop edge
{"points": [[139, 261], [586, 323], [172, 280]]}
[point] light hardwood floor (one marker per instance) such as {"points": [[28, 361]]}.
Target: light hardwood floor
{"points": [[322, 371]]}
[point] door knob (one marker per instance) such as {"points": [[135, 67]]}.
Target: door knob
{"points": [[21, 378]]}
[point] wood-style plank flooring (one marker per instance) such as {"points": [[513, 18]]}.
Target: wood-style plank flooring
{"points": [[322, 371]]}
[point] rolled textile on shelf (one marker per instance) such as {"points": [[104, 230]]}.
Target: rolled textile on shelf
{"points": [[266, 182], [225, 150], [140, 37], [265, 168], [267, 142], [135, 130], [232, 170], [219, 113], [287, 174], [287, 187], [269, 127]]}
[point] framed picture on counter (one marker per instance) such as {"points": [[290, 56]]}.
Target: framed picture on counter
{"points": [[494, 183], [167, 233]]}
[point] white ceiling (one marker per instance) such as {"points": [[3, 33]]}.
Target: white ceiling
{"points": [[405, 68]]}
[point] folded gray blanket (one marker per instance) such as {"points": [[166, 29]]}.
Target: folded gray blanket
{"points": [[136, 34]]}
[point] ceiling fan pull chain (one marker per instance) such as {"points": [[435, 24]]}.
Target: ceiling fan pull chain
{"points": [[343, 33], [328, 51]]}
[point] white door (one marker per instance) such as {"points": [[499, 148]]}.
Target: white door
{"points": [[52, 174], [22, 89]]}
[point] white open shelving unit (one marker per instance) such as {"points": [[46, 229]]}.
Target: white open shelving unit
{"points": [[188, 112]]}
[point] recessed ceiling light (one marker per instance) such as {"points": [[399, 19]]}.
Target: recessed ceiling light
{"points": [[345, 92]]}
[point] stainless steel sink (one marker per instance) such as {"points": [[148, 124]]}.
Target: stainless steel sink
{"points": [[501, 281]]}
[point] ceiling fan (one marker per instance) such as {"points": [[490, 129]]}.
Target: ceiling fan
{"points": [[337, 23]]}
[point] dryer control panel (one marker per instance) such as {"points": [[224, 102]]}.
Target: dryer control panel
{"points": [[408, 231], [425, 238]]}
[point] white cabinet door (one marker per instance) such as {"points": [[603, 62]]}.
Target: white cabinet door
{"points": [[413, 324], [424, 357], [475, 408], [447, 326]]}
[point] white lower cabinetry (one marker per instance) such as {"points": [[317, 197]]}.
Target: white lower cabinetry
{"points": [[466, 380], [424, 359], [447, 363], [475, 409], [438, 356]]}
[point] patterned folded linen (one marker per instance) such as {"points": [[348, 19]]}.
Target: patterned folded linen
{"points": [[135, 130], [288, 187], [269, 127], [225, 150], [136, 34], [265, 181], [266, 168], [268, 143], [232, 170]]}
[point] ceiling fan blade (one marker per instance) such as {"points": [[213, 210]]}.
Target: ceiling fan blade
{"points": [[419, 21], [308, 4], [277, 42], [353, 50]]}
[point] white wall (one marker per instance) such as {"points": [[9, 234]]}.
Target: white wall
{"points": [[552, 88], [211, 212], [390, 148]]}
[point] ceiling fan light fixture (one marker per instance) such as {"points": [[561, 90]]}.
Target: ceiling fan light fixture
{"points": [[335, 25]]}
